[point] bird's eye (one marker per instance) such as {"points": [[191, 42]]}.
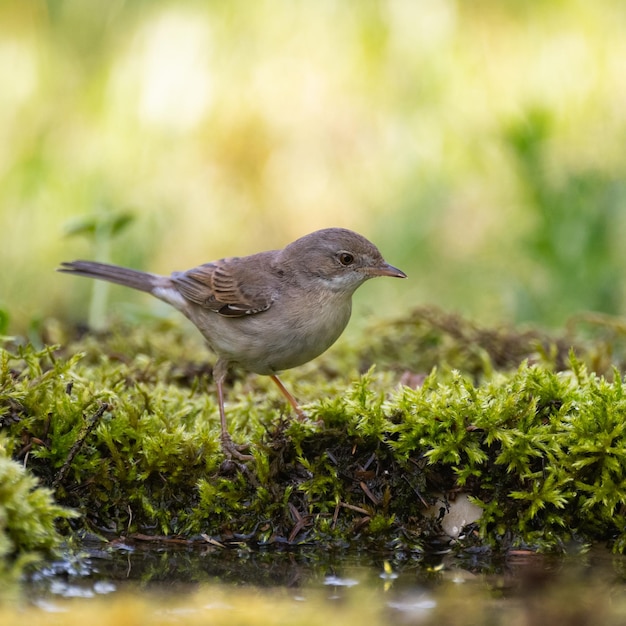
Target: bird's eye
{"points": [[345, 258]]}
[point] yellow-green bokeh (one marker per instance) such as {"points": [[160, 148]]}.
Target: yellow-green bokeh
{"points": [[478, 143]]}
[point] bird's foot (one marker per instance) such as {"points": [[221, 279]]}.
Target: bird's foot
{"points": [[234, 451], [303, 417]]}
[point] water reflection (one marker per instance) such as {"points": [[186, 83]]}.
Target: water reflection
{"points": [[403, 588]]}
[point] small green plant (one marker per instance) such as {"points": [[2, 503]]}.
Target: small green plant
{"points": [[100, 227]]}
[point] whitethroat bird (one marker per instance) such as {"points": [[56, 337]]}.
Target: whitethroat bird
{"points": [[266, 312]]}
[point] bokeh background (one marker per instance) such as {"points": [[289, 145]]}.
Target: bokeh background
{"points": [[481, 144]]}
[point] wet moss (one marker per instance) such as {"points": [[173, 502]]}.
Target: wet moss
{"points": [[123, 427]]}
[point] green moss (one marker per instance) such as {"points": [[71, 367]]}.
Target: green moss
{"points": [[27, 521], [124, 427], [27, 512]]}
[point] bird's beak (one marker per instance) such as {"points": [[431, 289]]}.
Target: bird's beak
{"points": [[386, 270]]}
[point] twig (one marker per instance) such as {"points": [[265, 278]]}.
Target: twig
{"points": [[369, 494], [351, 507], [78, 444]]}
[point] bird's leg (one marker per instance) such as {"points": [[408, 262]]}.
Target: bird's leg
{"points": [[292, 401], [229, 447]]}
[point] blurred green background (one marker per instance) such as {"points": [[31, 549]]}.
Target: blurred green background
{"points": [[479, 143]]}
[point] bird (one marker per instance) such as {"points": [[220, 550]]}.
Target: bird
{"points": [[266, 312]]}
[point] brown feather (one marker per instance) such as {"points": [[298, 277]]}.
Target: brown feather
{"points": [[218, 287]]}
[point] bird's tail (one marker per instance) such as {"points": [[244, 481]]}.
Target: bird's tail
{"points": [[143, 281]]}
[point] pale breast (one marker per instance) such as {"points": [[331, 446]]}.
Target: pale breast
{"points": [[277, 339]]}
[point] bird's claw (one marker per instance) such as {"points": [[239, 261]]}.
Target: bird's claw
{"points": [[234, 451]]}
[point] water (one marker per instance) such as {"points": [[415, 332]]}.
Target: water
{"points": [[170, 583]]}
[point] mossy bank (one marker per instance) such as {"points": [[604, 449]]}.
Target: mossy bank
{"points": [[122, 428]]}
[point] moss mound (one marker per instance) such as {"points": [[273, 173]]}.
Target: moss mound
{"points": [[123, 427]]}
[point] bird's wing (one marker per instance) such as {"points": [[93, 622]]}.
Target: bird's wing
{"points": [[226, 287]]}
